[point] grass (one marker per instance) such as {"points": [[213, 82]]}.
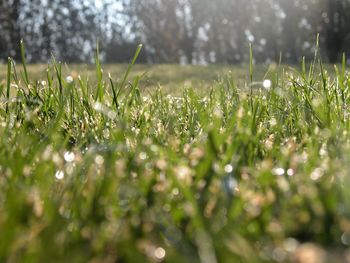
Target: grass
{"points": [[172, 78], [107, 171]]}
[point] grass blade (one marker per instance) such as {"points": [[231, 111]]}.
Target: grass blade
{"points": [[99, 92], [8, 85], [22, 47], [131, 64]]}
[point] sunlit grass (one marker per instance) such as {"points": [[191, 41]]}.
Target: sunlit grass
{"points": [[172, 78], [103, 170]]}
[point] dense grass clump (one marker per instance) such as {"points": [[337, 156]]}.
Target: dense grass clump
{"points": [[103, 172]]}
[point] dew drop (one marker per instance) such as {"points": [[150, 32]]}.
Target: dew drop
{"points": [[317, 174], [69, 79], [159, 253], [278, 171], [290, 172], [273, 122], [143, 156], [175, 191], [59, 175], [69, 157], [267, 84], [228, 168], [345, 239], [99, 160]]}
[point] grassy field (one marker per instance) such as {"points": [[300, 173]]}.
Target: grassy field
{"points": [[172, 78], [247, 168]]}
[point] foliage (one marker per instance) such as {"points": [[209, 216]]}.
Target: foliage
{"points": [[102, 172]]}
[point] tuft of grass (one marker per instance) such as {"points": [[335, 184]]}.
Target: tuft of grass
{"points": [[104, 171]]}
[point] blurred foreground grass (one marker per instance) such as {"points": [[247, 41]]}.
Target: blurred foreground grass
{"points": [[106, 171]]}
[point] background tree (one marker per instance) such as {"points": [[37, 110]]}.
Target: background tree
{"points": [[336, 19], [10, 11]]}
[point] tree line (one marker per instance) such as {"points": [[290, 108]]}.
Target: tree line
{"points": [[175, 31]]}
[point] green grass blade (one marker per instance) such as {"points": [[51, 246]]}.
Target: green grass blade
{"points": [[8, 85], [251, 70], [99, 92], [23, 57], [131, 64]]}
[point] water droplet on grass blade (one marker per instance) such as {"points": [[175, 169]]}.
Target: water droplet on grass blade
{"points": [[175, 192], [184, 174], [290, 245], [290, 172], [278, 171], [228, 168], [273, 122], [69, 157], [159, 253], [317, 174], [69, 79], [143, 156], [98, 106], [345, 239], [99, 160], [267, 84], [59, 175]]}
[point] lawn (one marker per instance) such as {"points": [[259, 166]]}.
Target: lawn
{"points": [[245, 167], [172, 78]]}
